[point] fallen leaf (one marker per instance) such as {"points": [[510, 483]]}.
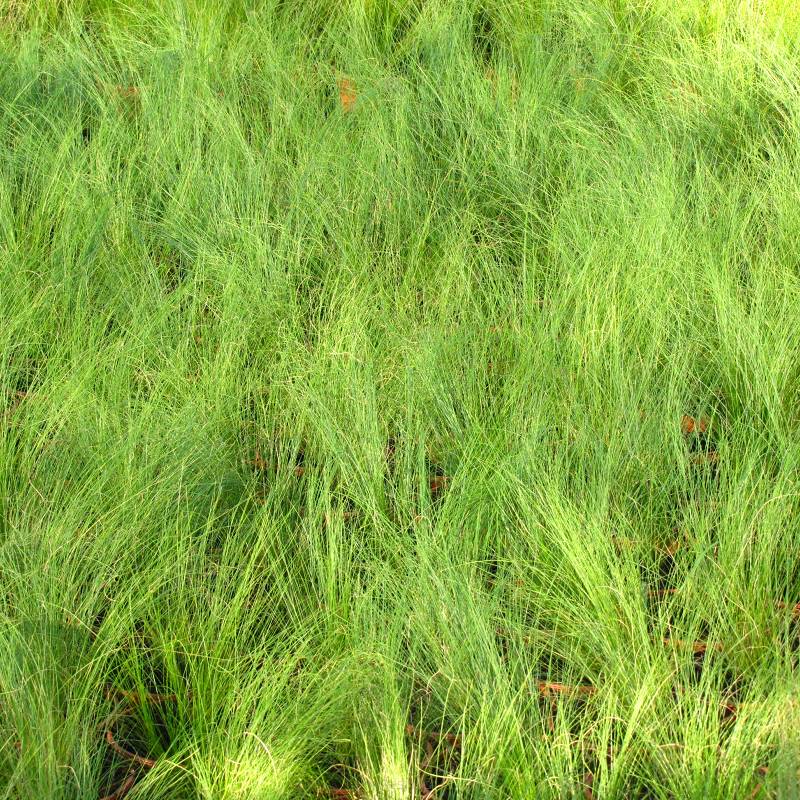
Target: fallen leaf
{"points": [[439, 482], [127, 92], [690, 425], [795, 609], [259, 462], [347, 94], [588, 783]]}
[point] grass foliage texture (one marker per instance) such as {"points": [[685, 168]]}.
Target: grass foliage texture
{"points": [[399, 399]]}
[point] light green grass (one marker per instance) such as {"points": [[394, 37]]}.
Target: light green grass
{"points": [[546, 231]]}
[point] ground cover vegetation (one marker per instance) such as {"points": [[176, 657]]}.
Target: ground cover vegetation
{"points": [[399, 399]]}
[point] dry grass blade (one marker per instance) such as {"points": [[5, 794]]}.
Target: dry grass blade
{"points": [[548, 688], [123, 789], [656, 593], [127, 754], [698, 648]]}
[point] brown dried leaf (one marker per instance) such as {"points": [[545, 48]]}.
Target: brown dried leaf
{"points": [[347, 93], [690, 425]]}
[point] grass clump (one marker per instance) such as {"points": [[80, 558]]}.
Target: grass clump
{"points": [[399, 399]]}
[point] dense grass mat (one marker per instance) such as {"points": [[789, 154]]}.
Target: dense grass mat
{"points": [[399, 399]]}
